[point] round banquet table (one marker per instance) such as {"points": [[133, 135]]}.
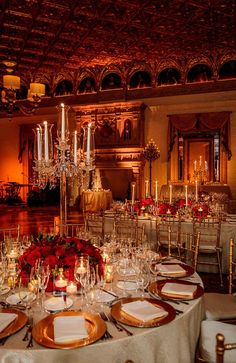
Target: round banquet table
{"points": [[174, 342], [95, 200]]}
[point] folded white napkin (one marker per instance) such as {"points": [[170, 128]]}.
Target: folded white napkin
{"points": [[57, 303], [170, 269], [179, 289], [143, 310], [6, 319], [69, 328]]}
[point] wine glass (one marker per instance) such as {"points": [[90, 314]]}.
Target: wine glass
{"points": [[2, 277], [26, 292], [34, 282], [143, 277], [81, 271], [91, 281], [43, 274]]}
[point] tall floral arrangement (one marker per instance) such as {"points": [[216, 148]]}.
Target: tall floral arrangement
{"points": [[56, 252]]}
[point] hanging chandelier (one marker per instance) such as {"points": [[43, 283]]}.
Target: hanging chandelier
{"points": [[10, 102]]}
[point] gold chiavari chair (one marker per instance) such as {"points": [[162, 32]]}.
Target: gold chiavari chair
{"points": [[223, 306], [11, 232], [125, 226], [167, 233], [188, 248], [232, 265], [94, 224], [212, 347], [210, 251], [221, 347], [69, 229], [9, 240]]}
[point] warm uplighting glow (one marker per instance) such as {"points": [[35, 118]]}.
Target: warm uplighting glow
{"points": [[11, 82]]}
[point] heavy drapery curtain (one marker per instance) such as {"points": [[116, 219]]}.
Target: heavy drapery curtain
{"points": [[218, 121]]}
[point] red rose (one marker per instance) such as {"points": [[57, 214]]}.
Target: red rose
{"points": [[24, 277], [51, 261], [60, 251], [32, 257], [79, 245], [69, 260], [45, 251]]}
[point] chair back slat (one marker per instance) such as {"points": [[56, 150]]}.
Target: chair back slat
{"points": [[232, 265]]}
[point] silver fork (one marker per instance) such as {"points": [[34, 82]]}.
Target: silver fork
{"points": [[29, 325], [30, 344], [107, 335], [118, 325]]}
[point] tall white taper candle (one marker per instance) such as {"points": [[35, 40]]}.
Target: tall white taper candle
{"points": [[156, 191], [46, 155], [146, 188], [170, 186], [196, 190], [39, 144], [88, 143], [75, 147], [186, 195], [132, 193], [62, 121]]}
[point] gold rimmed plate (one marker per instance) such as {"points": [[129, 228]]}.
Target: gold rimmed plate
{"points": [[156, 288], [43, 332], [187, 270], [15, 325], [124, 318]]}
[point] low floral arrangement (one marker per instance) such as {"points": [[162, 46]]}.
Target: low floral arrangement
{"points": [[182, 203], [144, 205], [57, 252], [201, 210], [166, 208]]}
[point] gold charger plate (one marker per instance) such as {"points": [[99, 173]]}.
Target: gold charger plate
{"points": [[43, 332], [188, 271], [156, 288], [124, 318], [16, 325]]}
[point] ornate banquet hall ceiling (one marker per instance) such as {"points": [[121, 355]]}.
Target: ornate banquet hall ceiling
{"points": [[48, 36]]}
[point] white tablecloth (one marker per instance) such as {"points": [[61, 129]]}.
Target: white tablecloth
{"points": [[171, 343], [93, 201]]}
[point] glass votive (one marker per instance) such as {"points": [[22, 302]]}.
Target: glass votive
{"points": [[71, 288], [108, 273]]}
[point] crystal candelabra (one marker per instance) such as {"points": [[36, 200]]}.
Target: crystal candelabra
{"points": [[70, 160], [200, 170], [151, 153]]}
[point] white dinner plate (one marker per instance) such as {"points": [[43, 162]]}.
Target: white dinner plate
{"points": [[57, 303], [17, 299], [102, 296], [4, 290]]}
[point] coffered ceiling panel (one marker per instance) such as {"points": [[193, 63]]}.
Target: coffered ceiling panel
{"points": [[50, 36]]}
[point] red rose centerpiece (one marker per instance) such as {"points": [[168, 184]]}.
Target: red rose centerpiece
{"points": [[57, 252]]}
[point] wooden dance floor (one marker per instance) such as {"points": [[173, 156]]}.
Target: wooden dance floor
{"points": [[35, 219]]}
